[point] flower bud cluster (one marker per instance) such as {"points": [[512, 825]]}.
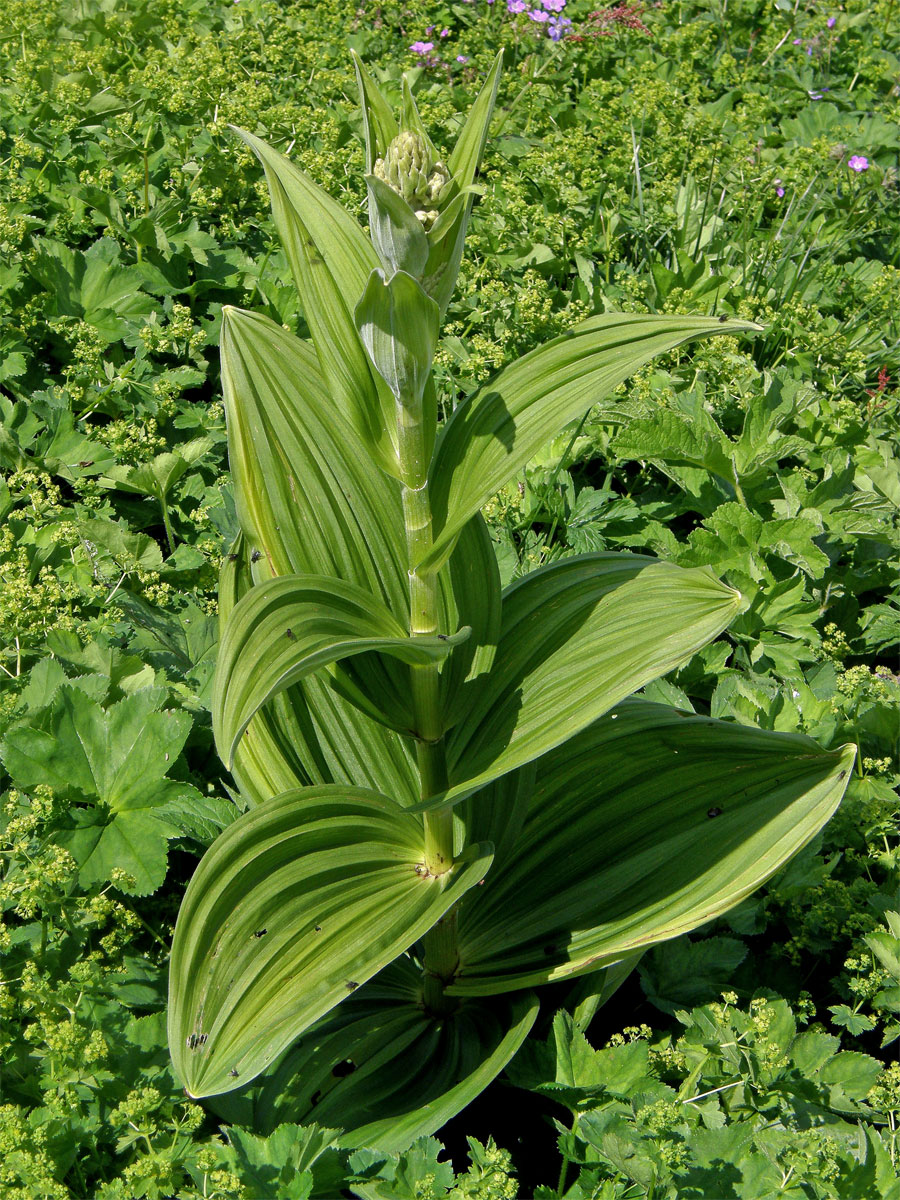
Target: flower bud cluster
{"points": [[408, 168]]}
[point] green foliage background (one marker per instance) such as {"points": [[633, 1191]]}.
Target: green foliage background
{"points": [[628, 169]]}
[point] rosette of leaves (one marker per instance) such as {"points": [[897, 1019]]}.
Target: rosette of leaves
{"points": [[454, 797]]}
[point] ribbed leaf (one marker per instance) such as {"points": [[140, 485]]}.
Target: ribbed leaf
{"points": [[446, 251], [379, 122], [576, 638], [309, 734], [469, 594], [397, 233], [295, 905], [307, 497], [287, 628], [644, 826], [331, 259], [387, 1072], [492, 435], [398, 325]]}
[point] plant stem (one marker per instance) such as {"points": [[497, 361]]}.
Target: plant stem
{"points": [[441, 954], [170, 534]]}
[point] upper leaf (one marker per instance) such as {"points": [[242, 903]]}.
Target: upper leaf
{"points": [[398, 325], [298, 902], [492, 435], [306, 496], [331, 260]]}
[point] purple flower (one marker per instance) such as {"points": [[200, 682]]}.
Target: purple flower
{"points": [[831, 22], [462, 58], [430, 29], [557, 27], [516, 6], [858, 162], [553, 5], [422, 47], [537, 15], [779, 190]]}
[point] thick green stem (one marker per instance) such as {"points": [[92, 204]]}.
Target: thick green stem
{"points": [[441, 955]]}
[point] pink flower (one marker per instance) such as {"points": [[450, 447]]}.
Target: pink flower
{"points": [[537, 15], [516, 6], [444, 33], [858, 162], [462, 58], [831, 22], [553, 5], [422, 47]]}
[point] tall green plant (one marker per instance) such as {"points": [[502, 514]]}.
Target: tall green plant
{"points": [[453, 800]]}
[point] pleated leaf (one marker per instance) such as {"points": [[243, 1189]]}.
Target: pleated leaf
{"points": [[576, 638], [442, 267], [491, 436], [287, 628], [296, 905], [309, 734], [646, 825], [386, 1071], [398, 325], [307, 497], [379, 123], [331, 259]]}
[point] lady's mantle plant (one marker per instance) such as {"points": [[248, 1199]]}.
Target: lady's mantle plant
{"points": [[452, 798]]}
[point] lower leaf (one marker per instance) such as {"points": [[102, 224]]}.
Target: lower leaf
{"points": [[647, 824], [383, 1069], [297, 904]]}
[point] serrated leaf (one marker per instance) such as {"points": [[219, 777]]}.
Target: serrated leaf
{"points": [[115, 759], [298, 902]]}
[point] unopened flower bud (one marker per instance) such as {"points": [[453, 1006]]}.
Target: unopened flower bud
{"points": [[407, 168]]}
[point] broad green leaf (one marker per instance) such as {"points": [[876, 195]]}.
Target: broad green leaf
{"points": [[298, 902], [307, 498], [309, 734], [308, 503], [469, 592], [289, 627], [399, 325], [492, 435], [114, 761], [646, 825], [576, 638], [388, 1072], [331, 260]]}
